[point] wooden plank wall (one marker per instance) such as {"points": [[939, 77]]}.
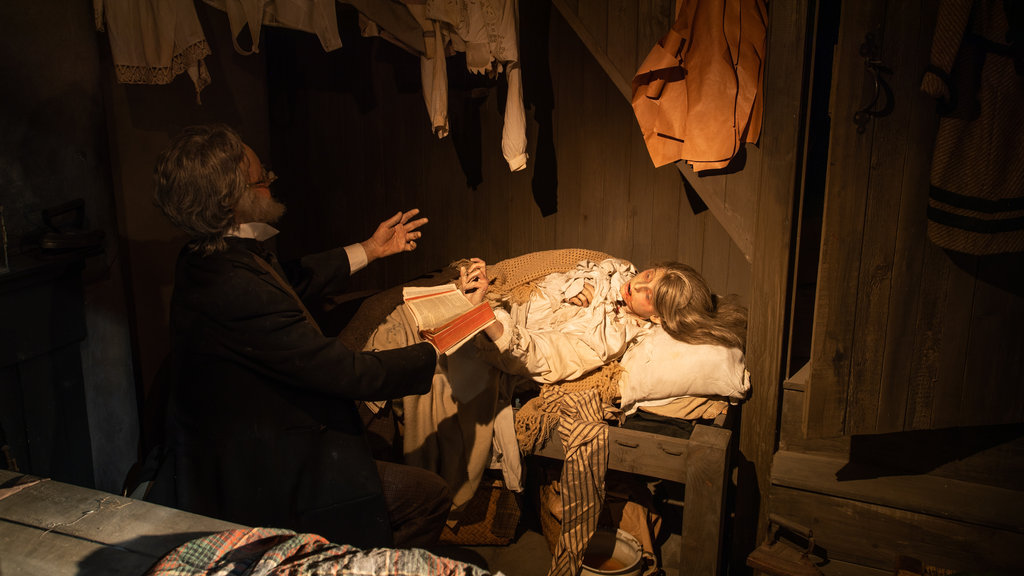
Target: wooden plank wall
{"points": [[906, 335], [351, 152]]}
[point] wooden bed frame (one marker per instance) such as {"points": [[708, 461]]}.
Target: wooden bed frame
{"points": [[701, 463]]}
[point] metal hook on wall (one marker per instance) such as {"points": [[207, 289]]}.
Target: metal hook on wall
{"points": [[869, 50]]}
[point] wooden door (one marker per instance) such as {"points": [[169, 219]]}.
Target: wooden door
{"points": [[905, 335]]}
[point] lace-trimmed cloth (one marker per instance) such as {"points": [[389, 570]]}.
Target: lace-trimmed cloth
{"points": [[154, 42]]}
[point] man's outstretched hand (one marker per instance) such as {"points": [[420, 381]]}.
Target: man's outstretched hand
{"points": [[394, 235]]}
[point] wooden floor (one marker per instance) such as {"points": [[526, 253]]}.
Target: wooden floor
{"points": [[527, 555]]}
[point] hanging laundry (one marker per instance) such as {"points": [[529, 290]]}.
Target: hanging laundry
{"points": [[697, 95], [316, 17], [153, 41], [487, 32], [976, 201], [391, 21]]}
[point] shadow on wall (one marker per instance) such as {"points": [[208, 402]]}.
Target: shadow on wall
{"points": [[538, 93], [1000, 270]]}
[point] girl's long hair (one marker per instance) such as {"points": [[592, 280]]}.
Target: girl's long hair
{"points": [[691, 313]]}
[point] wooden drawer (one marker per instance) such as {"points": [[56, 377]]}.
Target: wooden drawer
{"points": [[647, 454], [637, 452]]}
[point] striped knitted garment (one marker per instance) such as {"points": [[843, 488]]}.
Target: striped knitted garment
{"points": [[976, 199]]}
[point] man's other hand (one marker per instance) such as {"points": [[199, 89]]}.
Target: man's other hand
{"points": [[394, 235]]}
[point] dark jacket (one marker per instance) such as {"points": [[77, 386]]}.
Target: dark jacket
{"points": [[264, 428]]}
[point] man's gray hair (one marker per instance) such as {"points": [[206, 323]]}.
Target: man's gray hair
{"points": [[200, 177]]}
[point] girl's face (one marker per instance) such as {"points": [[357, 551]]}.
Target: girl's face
{"points": [[638, 293]]}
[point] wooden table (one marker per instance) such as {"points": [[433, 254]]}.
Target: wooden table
{"points": [[53, 529]]}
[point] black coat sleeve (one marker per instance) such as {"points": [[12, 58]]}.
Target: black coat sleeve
{"points": [[227, 308]]}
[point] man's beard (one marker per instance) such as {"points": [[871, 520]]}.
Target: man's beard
{"points": [[259, 208]]}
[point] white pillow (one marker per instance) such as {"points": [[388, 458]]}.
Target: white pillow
{"points": [[659, 367]]}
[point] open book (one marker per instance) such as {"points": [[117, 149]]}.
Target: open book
{"points": [[444, 316]]}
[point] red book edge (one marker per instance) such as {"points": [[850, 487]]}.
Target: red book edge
{"points": [[452, 332]]}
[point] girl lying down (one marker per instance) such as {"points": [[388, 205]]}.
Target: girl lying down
{"points": [[577, 321], [570, 322]]}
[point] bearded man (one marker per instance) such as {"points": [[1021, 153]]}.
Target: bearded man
{"points": [[263, 422]]}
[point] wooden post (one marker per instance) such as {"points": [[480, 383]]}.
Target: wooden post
{"points": [[782, 160], [704, 511]]}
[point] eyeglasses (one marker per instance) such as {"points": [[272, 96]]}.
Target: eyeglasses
{"points": [[267, 177]]}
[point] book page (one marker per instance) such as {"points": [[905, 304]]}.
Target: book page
{"points": [[435, 305]]}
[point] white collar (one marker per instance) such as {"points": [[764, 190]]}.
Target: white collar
{"points": [[256, 230]]}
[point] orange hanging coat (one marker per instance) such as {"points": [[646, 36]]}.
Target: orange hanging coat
{"points": [[697, 94]]}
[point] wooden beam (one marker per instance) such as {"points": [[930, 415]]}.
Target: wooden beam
{"points": [[781, 145], [703, 518], [739, 230], [643, 453], [700, 462]]}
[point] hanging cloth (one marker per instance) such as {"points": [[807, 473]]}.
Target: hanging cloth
{"points": [[153, 41], [976, 200], [487, 31], [314, 16], [697, 95], [391, 21]]}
